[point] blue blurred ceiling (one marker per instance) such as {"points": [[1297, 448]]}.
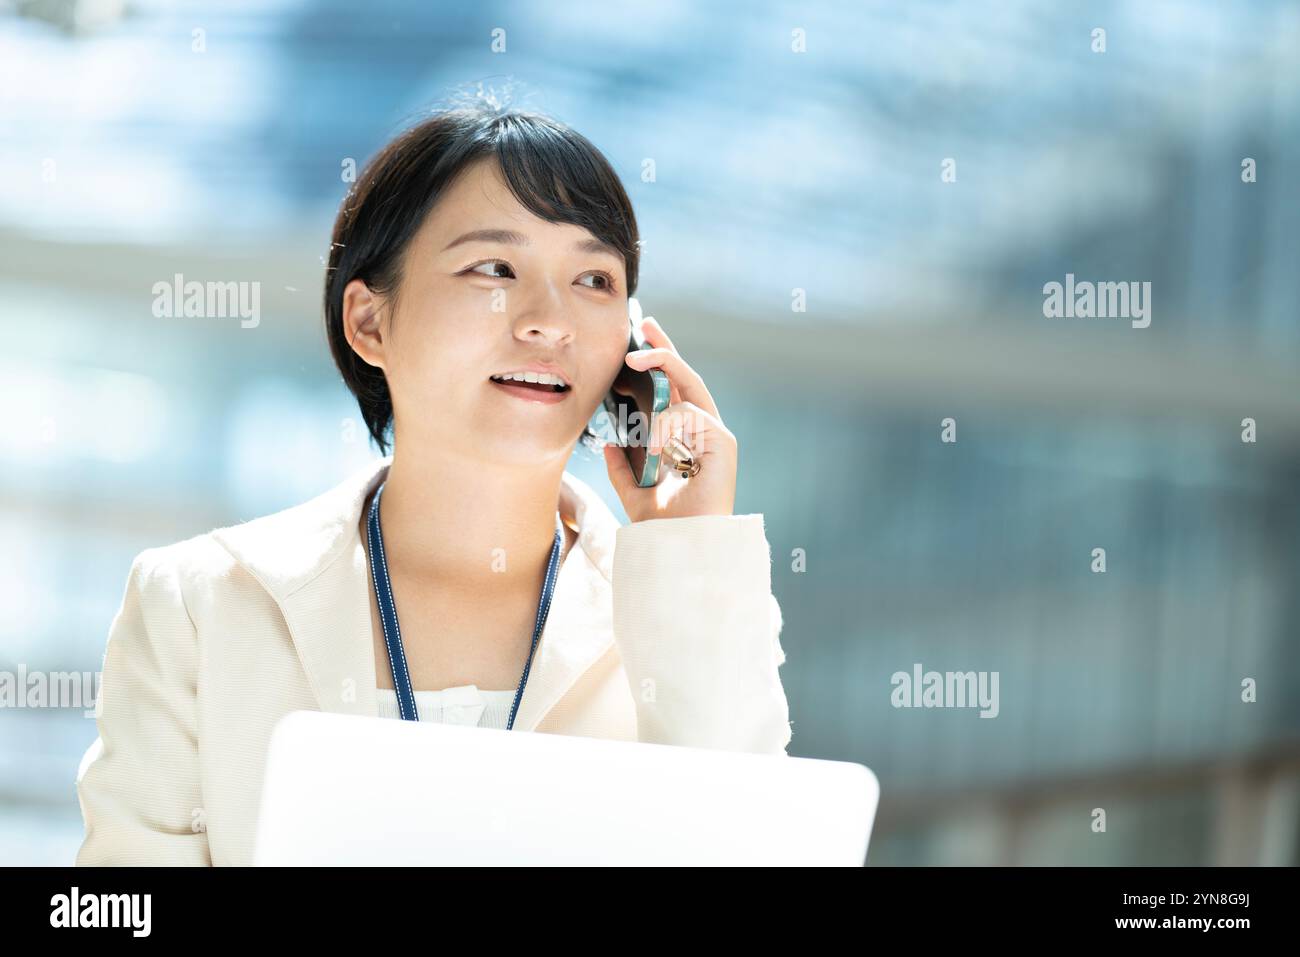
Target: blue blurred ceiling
{"points": [[817, 170]]}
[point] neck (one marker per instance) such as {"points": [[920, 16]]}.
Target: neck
{"points": [[468, 523]]}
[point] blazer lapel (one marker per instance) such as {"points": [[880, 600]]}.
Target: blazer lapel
{"points": [[312, 561], [329, 618]]}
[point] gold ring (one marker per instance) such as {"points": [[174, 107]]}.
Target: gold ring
{"points": [[683, 458]]}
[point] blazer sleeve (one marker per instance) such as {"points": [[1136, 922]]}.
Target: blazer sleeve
{"points": [[138, 783], [698, 629]]}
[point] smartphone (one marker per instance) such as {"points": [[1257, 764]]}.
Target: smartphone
{"points": [[634, 402]]}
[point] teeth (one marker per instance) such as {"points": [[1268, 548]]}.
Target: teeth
{"points": [[542, 378]]}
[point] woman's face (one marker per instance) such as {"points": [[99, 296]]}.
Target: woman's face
{"points": [[488, 288]]}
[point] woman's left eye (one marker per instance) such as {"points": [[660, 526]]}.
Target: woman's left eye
{"points": [[607, 279]]}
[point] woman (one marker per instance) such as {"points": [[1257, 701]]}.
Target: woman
{"points": [[492, 587]]}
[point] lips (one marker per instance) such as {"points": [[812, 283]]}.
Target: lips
{"points": [[547, 382], [531, 391]]}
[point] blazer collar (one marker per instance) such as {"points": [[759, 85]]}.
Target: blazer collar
{"points": [[312, 561]]}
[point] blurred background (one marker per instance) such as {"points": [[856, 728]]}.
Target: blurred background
{"points": [[841, 295]]}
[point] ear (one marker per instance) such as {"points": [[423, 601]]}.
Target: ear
{"points": [[362, 312]]}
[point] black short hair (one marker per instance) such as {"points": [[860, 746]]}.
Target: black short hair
{"points": [[554, 171]]}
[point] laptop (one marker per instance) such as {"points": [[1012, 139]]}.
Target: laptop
{"points": [[357, 790]]}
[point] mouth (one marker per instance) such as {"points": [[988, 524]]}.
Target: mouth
{"points": [[532, 386]]}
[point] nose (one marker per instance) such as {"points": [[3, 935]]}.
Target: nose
{"points": [[544, 315]]}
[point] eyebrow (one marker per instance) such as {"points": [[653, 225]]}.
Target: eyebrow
{"points": [[512, 238]]}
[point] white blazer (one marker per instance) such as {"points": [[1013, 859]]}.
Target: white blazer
{"points": [[662, 631]]}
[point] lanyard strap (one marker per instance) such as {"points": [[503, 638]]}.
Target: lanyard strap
{"points": [[393, 633]]}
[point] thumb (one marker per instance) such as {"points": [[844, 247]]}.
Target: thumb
{"points": [[620, 471]]}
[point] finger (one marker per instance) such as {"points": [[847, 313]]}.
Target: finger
{"points": [[620, 471], [688, 382], [657, 338], [635, 360], [655, 335], [693, 425]]}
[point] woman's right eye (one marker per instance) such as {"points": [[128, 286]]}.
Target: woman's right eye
{"points": [[493, 264]]}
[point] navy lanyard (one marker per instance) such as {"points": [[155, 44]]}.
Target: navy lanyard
{"points": [[393, 634]]}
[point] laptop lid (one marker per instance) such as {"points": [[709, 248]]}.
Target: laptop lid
{"points": [[356, 790]]}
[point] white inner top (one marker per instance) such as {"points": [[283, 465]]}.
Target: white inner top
{"points": [[464, 704]]}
